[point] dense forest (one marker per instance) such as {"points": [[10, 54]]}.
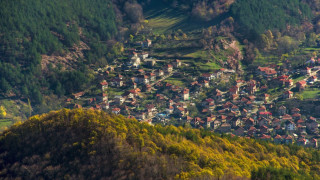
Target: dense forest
{"points": [[258, 16], [29, 29], [87, 144]]}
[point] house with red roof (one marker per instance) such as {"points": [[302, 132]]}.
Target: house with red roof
{"points": [[206, 76], [104, 85], [266, 72], [208, 122], [288, 139], [177, 63], [306, 70], [265, 114], [287, 94], [78, 95], [185, 94], [224, 128], [169, 68], [288, 83], [116, 111], [301, 142], [301, 85], [278, 139], [104, 97], [276, 122], [265, 137], [313, 79], [159, 73]]}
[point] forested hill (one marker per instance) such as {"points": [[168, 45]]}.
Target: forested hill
{"points": [[260, 15], [86, 144], [30, 28]]}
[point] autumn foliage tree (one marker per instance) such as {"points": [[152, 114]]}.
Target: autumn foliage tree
{"points": [[87, 144]]}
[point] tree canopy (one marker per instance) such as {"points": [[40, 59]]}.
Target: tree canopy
{"points": [[91, 144], [30, 28], [261, 15]]}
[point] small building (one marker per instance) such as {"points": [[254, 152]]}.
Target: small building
{"points": [[116, 111], [225, 128], [104, 97], [301, 85], [159, 73], [313, 143], [144, 55], [306, 70], [169, 68], [185, 94], [278, 139], [239, 131], [78, 95], [147, 43], [288, 139], [288, 82], [177, 63], [104, 85], [290, 126], [282, 110], [252, 86], [287, 94], [216, 124], [135, 61]]}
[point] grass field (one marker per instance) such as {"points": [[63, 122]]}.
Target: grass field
{"points": [[266, 60], [202, 54], [310, 93], [298, 79], [209, 66], [176, 81], [114, 91], [162, 18]]}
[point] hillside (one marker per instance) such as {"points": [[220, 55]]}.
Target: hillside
{"points": [[259, 16], [32, 29], [82, 144]]}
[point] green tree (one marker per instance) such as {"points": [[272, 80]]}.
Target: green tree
{"points": [[311, 39]]}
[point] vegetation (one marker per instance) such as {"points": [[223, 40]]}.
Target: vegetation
{"points": [[260, 15], [86, 144], [310, 93], [32, 28]]}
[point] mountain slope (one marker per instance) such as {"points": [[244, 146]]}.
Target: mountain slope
{"points": [[33, 28], [86, 144], [261, 15]]}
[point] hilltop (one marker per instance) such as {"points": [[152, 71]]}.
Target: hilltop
{"points": [[91, 144]]}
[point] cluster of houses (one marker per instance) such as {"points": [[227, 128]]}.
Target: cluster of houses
{"points": [[243, 110]]}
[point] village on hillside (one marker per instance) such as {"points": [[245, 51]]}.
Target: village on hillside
{"points": [[145, 88]]}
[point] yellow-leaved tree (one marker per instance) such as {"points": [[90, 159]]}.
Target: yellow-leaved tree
{"points": [[3, 112]]}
